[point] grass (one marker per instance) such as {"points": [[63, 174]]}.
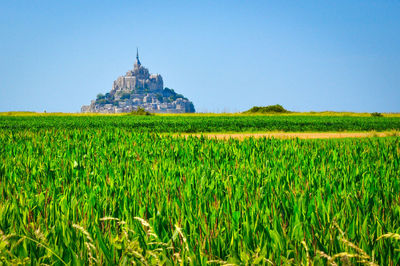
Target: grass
{"points": [[198, 124], [323, 113], [113, 195]]}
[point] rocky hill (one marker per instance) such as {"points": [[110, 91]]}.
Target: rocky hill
{"points": [[137, 89]]}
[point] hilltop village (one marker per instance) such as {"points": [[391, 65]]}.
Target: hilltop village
{"points": [[137, 88]]}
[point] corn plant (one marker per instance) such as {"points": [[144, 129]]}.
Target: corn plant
{"points": [[92, 195]]}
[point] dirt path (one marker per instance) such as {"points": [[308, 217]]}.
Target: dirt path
{"points": [[301, 135]]}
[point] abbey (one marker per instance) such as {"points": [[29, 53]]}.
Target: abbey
{"points": [[138, 88]]}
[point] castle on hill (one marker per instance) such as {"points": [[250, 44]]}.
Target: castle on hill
{"points": [[138, 88]]}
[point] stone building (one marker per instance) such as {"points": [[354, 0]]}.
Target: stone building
{"points": [[138, 88]]}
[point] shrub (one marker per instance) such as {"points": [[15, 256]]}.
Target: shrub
{"points": [[376, 114], [100, 96], [169, 91], [140, 111], [277, 108], [159, 97], [102, 101]]}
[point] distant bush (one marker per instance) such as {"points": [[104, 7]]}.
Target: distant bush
{"points": [[376, 114], [176, 96], [277, 108], [159, 97], [169, 91], [100, 96], [140, 111], [102, 101]]}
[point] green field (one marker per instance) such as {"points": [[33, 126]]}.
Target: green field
{"points": [[120, 189], [205, 123]]}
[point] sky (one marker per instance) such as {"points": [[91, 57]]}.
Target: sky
{"points": [[225, 56]]}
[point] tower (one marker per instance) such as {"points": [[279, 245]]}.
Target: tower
{"points": [[137, 58]]}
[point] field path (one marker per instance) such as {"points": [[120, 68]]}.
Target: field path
{"points": [[289, 135]]}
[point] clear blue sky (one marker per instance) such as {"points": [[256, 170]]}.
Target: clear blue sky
{"points": [[222, 55]]}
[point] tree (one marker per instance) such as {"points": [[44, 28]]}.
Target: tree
{"points": [[100, 96]]}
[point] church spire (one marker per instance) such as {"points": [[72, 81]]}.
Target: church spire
{"points": [[137, 57]]}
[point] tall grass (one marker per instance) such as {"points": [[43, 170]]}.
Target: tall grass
{"points": [[116, 196], [204, 123]]}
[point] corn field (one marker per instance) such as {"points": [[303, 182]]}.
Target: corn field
{"points": [[205, 123], [113, 195]]}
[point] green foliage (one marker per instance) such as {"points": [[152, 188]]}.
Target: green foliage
{"points": [[376, 114], [172, 95], [267, 109], [100, 96], [105, 99], [115, 195], [251, 123], [169, 91], [140, 111], [176, 96], [159, 97]]}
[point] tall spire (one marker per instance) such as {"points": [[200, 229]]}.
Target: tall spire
{"points": [[137, 57]]}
